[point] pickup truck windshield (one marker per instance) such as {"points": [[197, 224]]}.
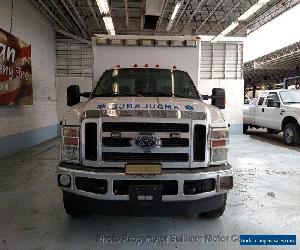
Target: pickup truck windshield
{"points": [[146, 82], [292, 96]]}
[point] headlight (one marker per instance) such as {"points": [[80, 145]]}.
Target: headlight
{"points": [[219, 142], [70, 144]]}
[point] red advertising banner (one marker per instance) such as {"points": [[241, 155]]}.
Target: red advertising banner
{"points": [[15, 70]]}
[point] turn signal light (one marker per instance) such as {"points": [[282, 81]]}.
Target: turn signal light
{"points": [[71, 141], [70, 131], [218, 143]]}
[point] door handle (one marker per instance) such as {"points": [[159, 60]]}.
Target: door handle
{"points": [[282, 111]]}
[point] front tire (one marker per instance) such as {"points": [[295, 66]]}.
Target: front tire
{"points": [[69, 207], [291, 134]]}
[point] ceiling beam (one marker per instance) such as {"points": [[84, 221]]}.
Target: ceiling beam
{"points": [[181, 14], [52, 15], [163, 9], [227, 15], [126, 14], [143, 3], [79, 17], [193, 14], [74, 19], [94, 15], [73, 36], [209, 15], [255, 17], [61, 13]]}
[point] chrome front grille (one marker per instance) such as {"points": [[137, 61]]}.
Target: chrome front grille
{"points": [[144, 127], [117, 146], [108, 142]]}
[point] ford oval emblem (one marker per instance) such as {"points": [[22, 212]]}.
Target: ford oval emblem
{"points": [[145, 142]]}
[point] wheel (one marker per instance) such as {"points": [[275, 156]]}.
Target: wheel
{"points": [[272, 131], [291, 134], [245, 128], [216, 212], [69, 208]]}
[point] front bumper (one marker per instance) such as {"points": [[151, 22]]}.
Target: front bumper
{"points": [[169, 208], [110, 175]]}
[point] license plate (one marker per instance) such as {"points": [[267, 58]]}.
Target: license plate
{"points": [[143, 169], [148, 195]]}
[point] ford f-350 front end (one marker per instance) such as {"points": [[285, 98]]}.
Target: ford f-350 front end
{"points": [[145, 155]]}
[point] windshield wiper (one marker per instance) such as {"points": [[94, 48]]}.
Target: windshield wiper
{"points": [[116, 95], [181, 96], [161, 94]]}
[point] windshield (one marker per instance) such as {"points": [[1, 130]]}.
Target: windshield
{"points": [[292, 96], [146, 82]]}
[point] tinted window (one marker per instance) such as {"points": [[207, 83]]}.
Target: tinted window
{"points": [[146, 82], [274, 96], [261, 101]]}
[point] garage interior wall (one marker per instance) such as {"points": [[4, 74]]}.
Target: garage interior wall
{"points": [[25, 126], [73, 67], [222, 67]]}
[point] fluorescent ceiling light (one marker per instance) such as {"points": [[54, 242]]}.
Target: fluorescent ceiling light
{"points": [[230, 28], [177, 6], [104, 10], [103, 6], [243, 17], [175, 11], [253, 9], [109, 25]]}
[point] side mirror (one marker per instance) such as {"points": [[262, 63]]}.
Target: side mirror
{"points": [[218, 98], [73, 95], [205, 97]]}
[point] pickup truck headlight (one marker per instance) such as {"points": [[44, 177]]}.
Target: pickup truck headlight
{"points": [[219, 142], [70, 144]]}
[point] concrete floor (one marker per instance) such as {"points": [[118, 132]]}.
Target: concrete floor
{"points": [[265, 200]]}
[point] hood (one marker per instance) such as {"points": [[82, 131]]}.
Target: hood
{"points": [[143, 103]]}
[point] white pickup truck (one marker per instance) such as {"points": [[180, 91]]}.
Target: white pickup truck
{"points": [[276, 110], [144, 143]]}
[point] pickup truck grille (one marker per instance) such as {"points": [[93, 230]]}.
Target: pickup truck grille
{"points": [[115, 143], [125, 142], [145, 157], [144, 127]]}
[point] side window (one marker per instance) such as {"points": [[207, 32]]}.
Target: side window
{"points": [[184, 85], [274, 96], [104, 86], [261, 101]]}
